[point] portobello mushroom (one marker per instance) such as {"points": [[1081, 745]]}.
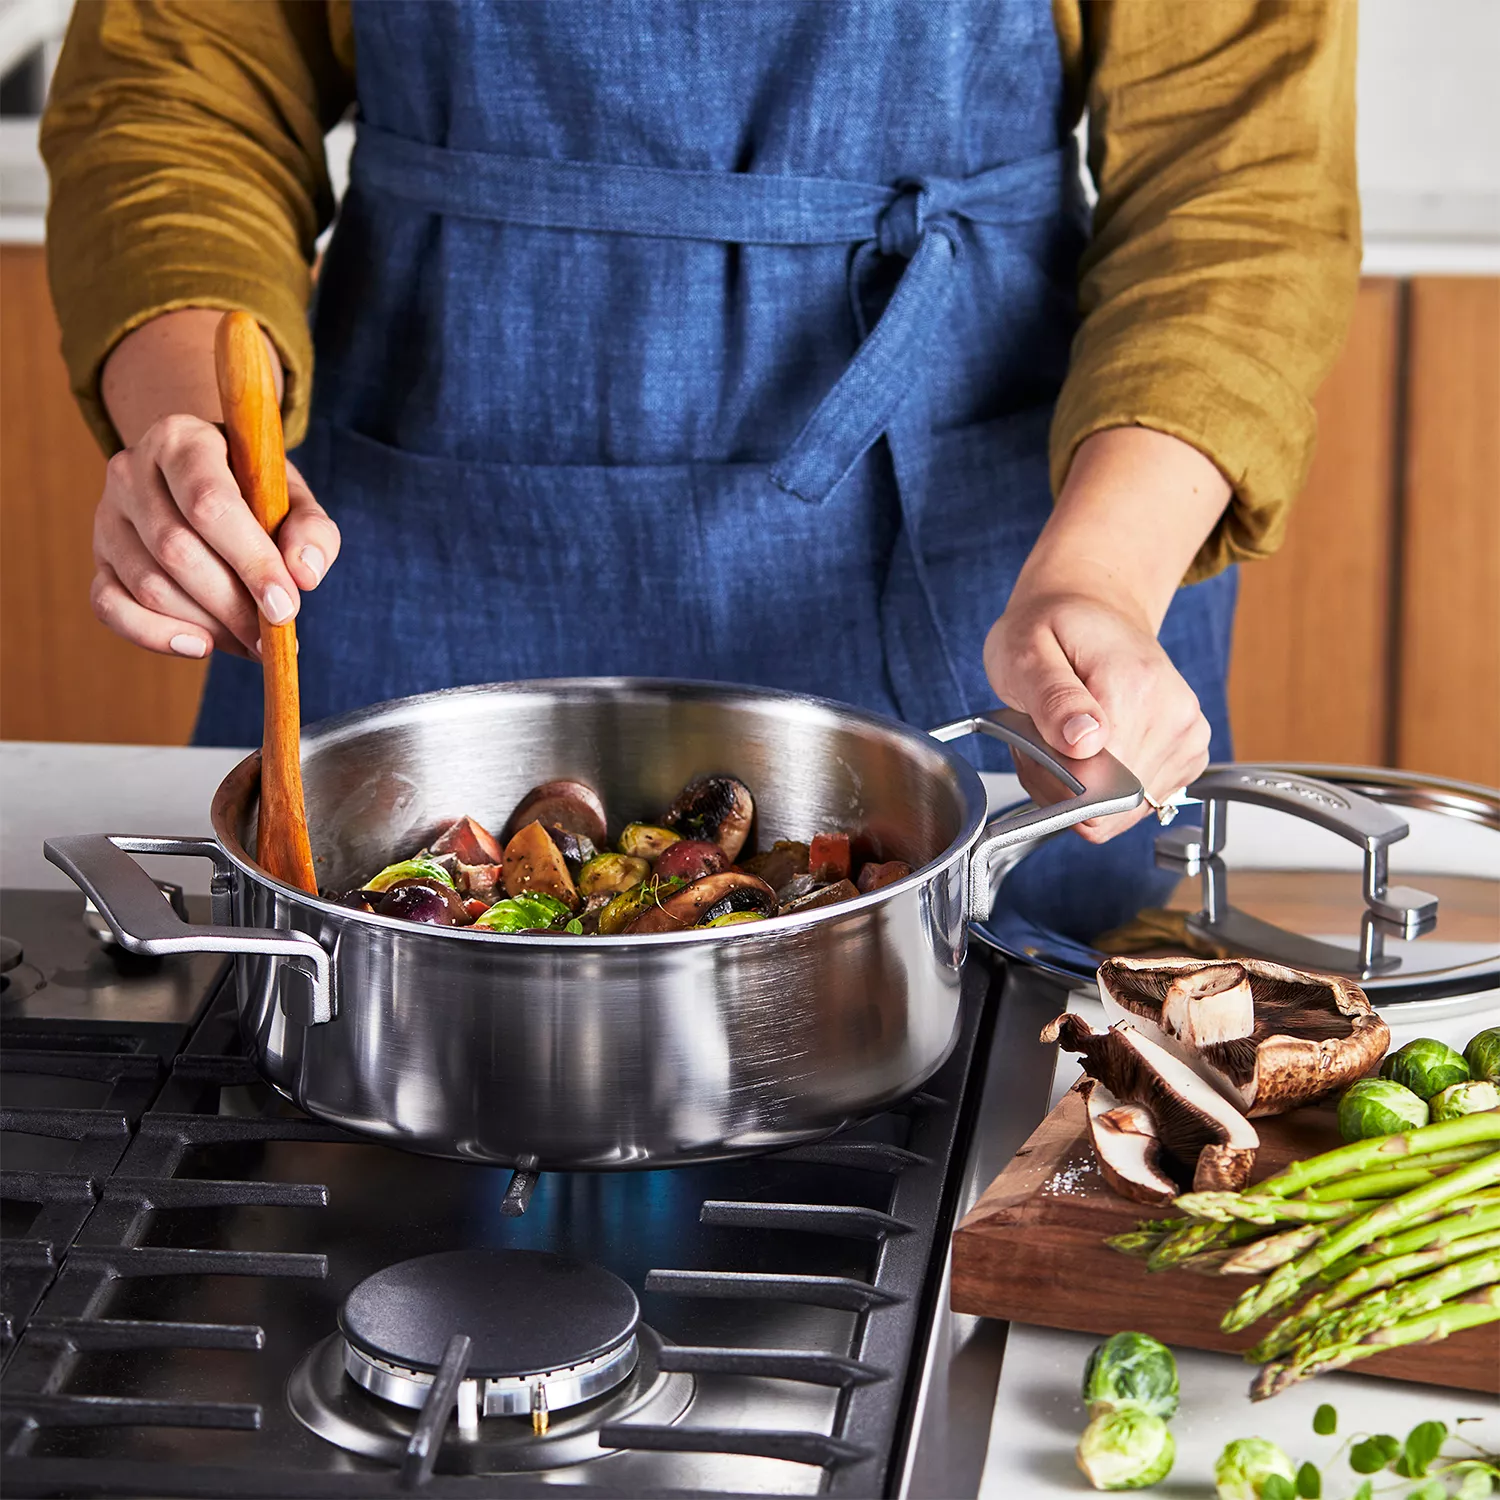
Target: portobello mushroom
{"points": [[699, 903], [818, 896], [1267, 1037], [567, 804], [780, 864], [718, 809], [1126, 1146], [874, 877], [1205, 1141], [534, 863]]}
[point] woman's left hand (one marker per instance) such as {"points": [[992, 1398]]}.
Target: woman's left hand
{"points": [[1076, 648]]}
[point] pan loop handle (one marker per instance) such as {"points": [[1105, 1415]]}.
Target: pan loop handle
{"points": [[1100, 785], [143, 921]]}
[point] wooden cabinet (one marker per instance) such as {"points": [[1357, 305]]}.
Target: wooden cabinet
{"points": [[1373, 637]]}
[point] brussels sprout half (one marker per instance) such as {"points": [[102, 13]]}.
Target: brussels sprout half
{"points": [[1127, 1449], [1131, 1369], [1471, 1098], [409, 869], [1379, 1106], [525, 912]]}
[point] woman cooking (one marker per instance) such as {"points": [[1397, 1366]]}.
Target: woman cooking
{"points": [[741, 339]]}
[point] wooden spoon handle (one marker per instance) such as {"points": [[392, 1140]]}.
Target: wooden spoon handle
{"points": [[257, 456]]}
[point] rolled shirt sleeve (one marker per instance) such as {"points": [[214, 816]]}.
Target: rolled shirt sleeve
{"points": [[1220, 279], [184, 143]]}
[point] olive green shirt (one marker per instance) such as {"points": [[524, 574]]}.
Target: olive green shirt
{"points": [[185, 144]]}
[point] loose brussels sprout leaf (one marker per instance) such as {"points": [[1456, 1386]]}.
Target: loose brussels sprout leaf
{"points": [[410, 869], [1425, 1067], [523, 913], [609, 874], [1131, 1369], [1483, 1055], [734, 918], [1378, 1106], [1127, 1449], [645, 840], [1471, 1098], [1245, 1466]]}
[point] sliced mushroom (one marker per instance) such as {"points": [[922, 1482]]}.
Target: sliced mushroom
{"points": [[1309, 1034], [823, 895], [1190, 1115], [702, 901], [534, 863], [780, 864], [1126, 1145], [567, 804], [716, 808], [873, 877], [470, 841]]}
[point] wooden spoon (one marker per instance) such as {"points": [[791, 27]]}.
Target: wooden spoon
{"points": [[257, 456]]}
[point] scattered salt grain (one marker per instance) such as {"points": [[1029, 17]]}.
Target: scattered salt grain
{"points": [[1069, 1181]]}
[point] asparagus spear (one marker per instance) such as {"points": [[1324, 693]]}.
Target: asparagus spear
{"points": [[1394, 1213], [1477, 1215], [1272, 1251], [1425, 1328], [1135, 1242], [1223, 1207], [1365, 1156], [1384, 1182], [1197, 1238], [1359, 1283], [1406, 1299]]}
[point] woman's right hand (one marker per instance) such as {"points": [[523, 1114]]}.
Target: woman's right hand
{"points": [[181, 562]]}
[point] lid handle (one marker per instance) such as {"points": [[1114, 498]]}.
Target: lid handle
{"points": [[1364, 822]]}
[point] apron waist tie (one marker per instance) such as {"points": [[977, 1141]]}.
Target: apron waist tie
{"points": [[918, 220]]}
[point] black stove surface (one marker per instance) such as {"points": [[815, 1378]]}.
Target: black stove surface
{"points": [[179, 1240]]}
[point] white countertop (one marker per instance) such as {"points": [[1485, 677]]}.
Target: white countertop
{"points": [[49, 789]]}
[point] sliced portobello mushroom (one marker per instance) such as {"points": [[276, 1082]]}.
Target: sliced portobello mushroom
{"points": [[470, 841], [1205, 1141], [533, 862], [781, 863], [690, 859], [565, 804], [699, 903], [1126, 1146], [718, 809], [818, 896], [1267, 1037]]}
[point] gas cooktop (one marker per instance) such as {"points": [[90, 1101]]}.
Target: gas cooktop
{"points": [[205, 1292]]}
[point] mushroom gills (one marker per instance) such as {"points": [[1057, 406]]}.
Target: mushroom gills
{"points": [[1126, 1146], [1189, 1114]]}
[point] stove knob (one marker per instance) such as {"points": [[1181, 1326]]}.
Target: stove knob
{"points": [[10, 954]]}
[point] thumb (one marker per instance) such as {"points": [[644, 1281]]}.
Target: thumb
{"points": [[1046, 687], [308, 538]]}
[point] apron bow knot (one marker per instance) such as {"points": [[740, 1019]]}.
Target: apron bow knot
{"points": [[920, 204]]}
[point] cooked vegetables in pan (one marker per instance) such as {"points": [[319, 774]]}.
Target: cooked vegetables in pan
{"points": [[552, 870]]}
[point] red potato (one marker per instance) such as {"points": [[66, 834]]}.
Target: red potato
{"points": [[565, 804], [472, 842], [872, 877], [828, 857], [534, 863], [690, 859]]}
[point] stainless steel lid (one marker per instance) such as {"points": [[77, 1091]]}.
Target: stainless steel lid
{"points": [[1388, 877]]}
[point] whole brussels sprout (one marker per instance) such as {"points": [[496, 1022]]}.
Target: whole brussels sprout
{"points": [[1377, 1106], [1131, 1369], [609, 874], [1483, 1055], [1471, 1098], [1126, 1449], [1425, 1067], [524, 913], [409, 869], [1245, 1465]]}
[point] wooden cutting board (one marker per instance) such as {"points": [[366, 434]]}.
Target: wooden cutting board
{"points": [[1032, 1250]]}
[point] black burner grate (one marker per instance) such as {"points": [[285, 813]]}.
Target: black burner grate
{"points": [[145, 1310]]}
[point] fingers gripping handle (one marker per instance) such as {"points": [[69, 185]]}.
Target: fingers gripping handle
{"points": [[143, 921], [1100, 785], [1364, 822]]}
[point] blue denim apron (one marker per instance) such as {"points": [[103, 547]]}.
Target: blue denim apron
{"points": [[711, 340]]}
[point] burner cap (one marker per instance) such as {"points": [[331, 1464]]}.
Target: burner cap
{"points": [[528, 1312]]}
